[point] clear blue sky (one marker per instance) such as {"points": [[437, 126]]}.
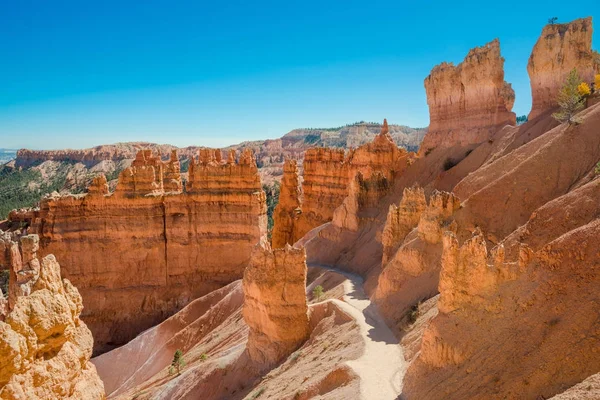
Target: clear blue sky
{"points": [[81, 73]]}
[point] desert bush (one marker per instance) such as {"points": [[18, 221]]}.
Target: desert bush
{"points": [[597, 83], [597, 169], [318, 292], [569, 100], [414, 313]]}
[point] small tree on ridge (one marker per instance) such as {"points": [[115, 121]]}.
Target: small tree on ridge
{"points": [[177, 362], [570, 100]]}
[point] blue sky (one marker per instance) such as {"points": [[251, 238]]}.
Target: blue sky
{"points": [[77, 74]]}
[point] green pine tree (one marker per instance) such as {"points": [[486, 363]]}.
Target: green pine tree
{"points": [[569, 100], [177, 362]]}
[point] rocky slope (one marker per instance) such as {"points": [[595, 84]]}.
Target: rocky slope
{"points": [[45, 347]]}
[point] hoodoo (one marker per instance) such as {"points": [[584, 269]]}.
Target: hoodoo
{"points": [[287, 211], [275, 306], [468, 102], [560, 49]]}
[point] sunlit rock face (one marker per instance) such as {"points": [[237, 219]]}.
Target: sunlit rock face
{"points": [[45, 348], [468, 102], [275, 306], [142, 253], [560, 49]]}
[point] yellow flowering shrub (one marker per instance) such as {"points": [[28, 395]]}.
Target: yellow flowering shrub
{"points": [[597, 82], [583, 89]]}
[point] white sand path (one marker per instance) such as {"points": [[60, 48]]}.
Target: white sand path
{"points": [[382, 366]]}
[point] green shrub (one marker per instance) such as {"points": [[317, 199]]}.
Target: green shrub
{"points": [[177, 362], [318, 292]]}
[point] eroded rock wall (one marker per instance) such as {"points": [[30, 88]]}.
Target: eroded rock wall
{"points": [[468, 102], [45, 348], [275, 306], [287, 211], [412, 248], [325, 185], [141, 254], [537, 308], [560, 49]]}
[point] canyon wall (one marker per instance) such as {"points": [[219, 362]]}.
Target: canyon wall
{"points": [[468, 102], [560, 49], [523, 326], [140, 254], [354, 182], [412, 247], [324, 187], [45, 348], [275, 306]]}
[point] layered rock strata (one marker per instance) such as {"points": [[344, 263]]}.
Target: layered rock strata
{"points": [[142, 253], [412, 248], [45, 348], [324, 186], [354, 182], [560, 49], [287, 211], [539, 307], [275, 306], [468, 102]]}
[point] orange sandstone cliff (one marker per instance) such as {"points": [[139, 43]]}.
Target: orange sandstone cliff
{"points": [[470, 101], [275, 306], [560, 49], [142, 253], [352, 182], [45, 348]]}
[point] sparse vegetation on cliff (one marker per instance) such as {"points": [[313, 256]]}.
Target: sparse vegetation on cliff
{"points": [[272, 192], [24, 188], [570, 99], [318, 292], [177, 362]]}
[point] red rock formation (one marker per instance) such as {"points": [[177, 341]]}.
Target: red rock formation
{"points": [[539, 307], [560, 48], [412, 257], [172, 174], [325, 185], [275, 306], [139, 255], [469, 102], [287, 211], [401, 220], [99, 186], [44, 347]]}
